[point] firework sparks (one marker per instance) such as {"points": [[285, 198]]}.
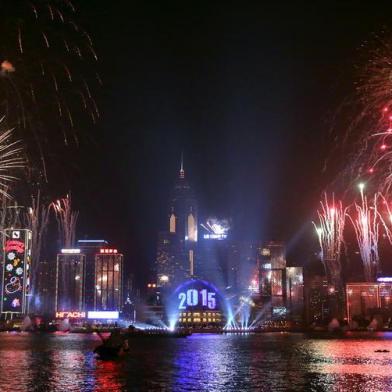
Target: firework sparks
{"points": [[366, 222], [66, 221], [365, 145], [10, 160], [46, 77], [331, 221], [37, 218]]}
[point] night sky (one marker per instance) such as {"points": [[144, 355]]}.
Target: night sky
{"points": [[247, 91]]}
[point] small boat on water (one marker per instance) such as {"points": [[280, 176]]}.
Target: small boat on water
{"points": [[112, 347], [105, 352]]}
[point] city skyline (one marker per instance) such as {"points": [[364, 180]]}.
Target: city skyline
{"points": [[245, 149], [253, 121], [195, 195]]}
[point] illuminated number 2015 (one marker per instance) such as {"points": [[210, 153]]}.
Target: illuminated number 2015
{"points": [[211, 301], [208, 299], [191, 298], [182, 298]]}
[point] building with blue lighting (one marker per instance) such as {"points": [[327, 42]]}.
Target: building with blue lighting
{"points": [[177, 245], [197, 304], [213, 252]]}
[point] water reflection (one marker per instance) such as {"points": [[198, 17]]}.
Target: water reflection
{"points": [[207, 362], [267, 362], [355, 365], [109, 376]]}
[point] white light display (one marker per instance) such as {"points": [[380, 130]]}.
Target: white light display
{"points": [[106, 315], [193, 297]]}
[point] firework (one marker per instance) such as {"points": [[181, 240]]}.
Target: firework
{"points": [[330, 227], [10, 160], [363, 130], [66, 221], [37, 218], [46, 77], [366, 222]]}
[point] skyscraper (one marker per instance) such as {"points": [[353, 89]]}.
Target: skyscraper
{"points": [[90, 247], [176, 253], [212, 263], [108, 280], [16, 271], [281, 287], [70, 281]]}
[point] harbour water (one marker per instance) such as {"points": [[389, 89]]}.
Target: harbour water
{"points": [[201, 362]]}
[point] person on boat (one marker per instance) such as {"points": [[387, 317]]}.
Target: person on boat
{"points": [[115, 340], [113, 346]]}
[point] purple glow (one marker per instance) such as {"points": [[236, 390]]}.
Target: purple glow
{"points": [[385, 279]]}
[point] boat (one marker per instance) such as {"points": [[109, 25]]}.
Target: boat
{"points": [[112, 347], [106, 352]]}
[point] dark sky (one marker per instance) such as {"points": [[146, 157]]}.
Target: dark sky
{"points": [[246, 90]]}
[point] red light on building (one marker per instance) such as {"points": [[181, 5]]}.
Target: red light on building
{"points": [[108, 251]]}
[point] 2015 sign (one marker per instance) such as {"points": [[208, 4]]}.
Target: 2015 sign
{"points": [[193, 297]]}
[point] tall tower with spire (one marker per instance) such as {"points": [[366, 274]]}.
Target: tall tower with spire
{"points": [[176, 257]]}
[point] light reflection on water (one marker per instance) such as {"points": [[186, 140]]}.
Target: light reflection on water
{"points": [[264, 362]]}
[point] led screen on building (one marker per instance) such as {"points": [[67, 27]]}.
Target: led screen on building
{"points": [[16, 271], [196, 295], [196, 302]]}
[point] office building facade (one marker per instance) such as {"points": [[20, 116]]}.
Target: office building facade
{"points": [[70, 281], [108, 280]]}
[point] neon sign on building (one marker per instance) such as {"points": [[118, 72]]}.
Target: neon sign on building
{"points": [[196, 295], [72, 315], [16, 271]]}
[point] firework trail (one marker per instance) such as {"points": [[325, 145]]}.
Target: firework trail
{"points": [[330, 227], [46, 73], [366, 222], [66, 221], [385, 216], [362, 132], [37, 218], [10, 160]]}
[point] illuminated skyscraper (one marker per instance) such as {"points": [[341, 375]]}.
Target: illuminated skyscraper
{"points": [[167, 264], [70, 281], [212, 263], [108, 280], [316, 299], [90, 247], [281, 287], [176, 254], [16, 271], [242, 266]]}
